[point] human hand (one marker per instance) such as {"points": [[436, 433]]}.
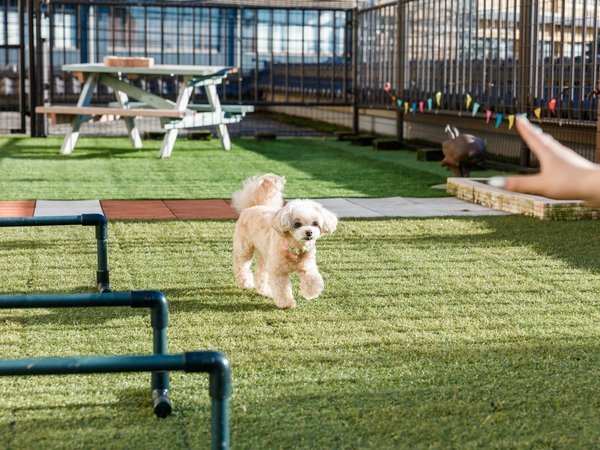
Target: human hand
{"points": [[563, 175]]}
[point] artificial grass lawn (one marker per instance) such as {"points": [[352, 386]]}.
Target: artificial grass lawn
{"points": [[434, 333], [110, 168]]}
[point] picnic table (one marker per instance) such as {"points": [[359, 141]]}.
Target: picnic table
{"points": [[174, 115]]}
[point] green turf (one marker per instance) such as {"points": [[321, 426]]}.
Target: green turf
{"points": [[433, 333], [110, 168]]}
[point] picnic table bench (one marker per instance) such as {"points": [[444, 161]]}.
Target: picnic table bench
{"points": [[174, 115]]}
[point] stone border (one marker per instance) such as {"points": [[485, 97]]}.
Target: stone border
{"points": [[476, 190]]}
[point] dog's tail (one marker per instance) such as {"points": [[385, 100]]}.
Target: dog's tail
{"points": [[264, 190]]}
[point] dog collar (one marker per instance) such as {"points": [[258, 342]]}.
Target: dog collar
{"points": [[293, 250]]}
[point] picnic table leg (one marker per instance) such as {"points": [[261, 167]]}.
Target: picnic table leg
{"points": [[132, 131], [84, 100], [171, 135], [215, 103]]}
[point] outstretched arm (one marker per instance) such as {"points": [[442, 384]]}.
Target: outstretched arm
{"points": [[563, 175]]}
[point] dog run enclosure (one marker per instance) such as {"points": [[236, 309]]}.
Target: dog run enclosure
{"points": [[403, 68]]}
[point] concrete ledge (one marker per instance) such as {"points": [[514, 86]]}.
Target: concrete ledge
{"points": [[476, 190]]}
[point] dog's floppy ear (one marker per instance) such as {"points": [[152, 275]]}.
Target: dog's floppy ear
{"points": [[330, 220], [282, 219]]}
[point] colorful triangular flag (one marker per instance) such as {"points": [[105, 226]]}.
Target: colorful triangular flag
{"points": [[511, 121], [498, 120], [476, 107]]}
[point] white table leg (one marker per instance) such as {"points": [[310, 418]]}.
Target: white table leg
{"points": [[132, 131], [215, 103], [181, 105], [84, 100]]}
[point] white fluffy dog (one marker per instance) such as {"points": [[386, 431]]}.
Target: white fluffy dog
{"points": [[282, 237]]}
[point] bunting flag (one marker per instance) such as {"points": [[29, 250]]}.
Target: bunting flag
{"points": [[412, 107], [511, 121], [498, 120]]}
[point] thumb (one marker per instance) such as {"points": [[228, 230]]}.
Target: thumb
{"points": [[527, 184]]}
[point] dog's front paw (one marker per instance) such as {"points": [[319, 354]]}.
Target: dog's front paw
{"points": [[264, 291], [285, 303], [245, 283], [311, 286]]}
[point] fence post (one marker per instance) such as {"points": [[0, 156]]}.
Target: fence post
{"points": [[355, 112], [36, 66], [22, 72], [525, 75], [400, 74]]}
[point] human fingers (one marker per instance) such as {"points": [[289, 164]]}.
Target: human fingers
{"points": [[529, 184], [537, 141]]}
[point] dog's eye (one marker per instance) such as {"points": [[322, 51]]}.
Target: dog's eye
{"points": [[297, 224], [315, 224]]}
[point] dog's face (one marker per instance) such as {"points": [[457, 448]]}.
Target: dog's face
{"points": [[304, 220]]}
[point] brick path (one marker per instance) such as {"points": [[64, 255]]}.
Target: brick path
{"points": [[220, 209]]}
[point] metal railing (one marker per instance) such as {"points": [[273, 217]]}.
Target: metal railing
{"points": [[284, 55], [452, 57], [510, 56]]}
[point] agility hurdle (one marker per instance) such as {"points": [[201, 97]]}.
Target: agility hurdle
{"points": [[97, 220], [159, 316], [215, 363]]}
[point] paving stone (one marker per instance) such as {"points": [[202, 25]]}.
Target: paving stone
{"points": [[344, 208], [66, 207]]}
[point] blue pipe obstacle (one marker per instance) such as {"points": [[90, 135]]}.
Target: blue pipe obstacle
{"points": [[97, 220], [160, 363], [215, 363]]}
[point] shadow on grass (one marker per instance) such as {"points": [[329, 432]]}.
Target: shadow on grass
{"points": [[514, 395], [571, 241], [78, 318], [31, 148], [338, 164], [204, 299]]}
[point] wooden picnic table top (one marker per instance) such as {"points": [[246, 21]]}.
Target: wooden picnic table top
{"points": [[157, 69]]}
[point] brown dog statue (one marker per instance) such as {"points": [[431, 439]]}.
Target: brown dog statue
{"points": [[462, 152]]}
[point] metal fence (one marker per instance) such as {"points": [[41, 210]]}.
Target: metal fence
{"points": [[285, 55], [485, 59], [431, 60]]}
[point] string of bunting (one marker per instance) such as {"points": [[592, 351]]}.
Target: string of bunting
{"points": [[413, 107]]}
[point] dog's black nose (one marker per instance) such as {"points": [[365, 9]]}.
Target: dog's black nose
{"points": [[308, 233]]}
